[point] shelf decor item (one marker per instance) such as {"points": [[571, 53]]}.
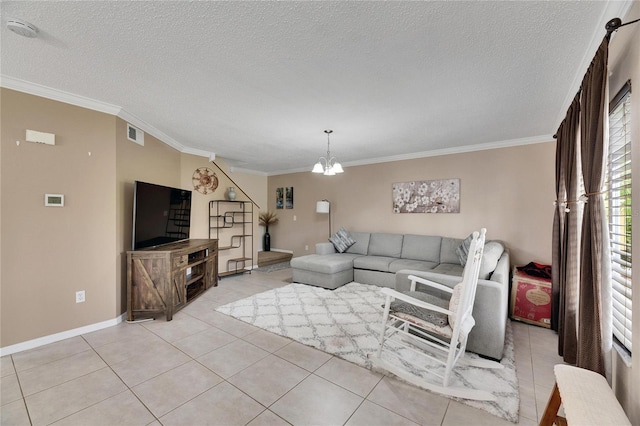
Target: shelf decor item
{"points": [[231, 194], [265, 219]]}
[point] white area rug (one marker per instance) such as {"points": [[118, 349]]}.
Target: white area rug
{"points": [[346, 322]]}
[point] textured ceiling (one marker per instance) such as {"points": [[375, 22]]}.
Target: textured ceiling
{"points": [[258, 82]]}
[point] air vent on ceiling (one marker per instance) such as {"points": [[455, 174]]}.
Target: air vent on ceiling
{"points": [[135, 135]]}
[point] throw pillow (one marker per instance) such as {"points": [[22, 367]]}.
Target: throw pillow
{"points": [[492, 252], [342, 240], [463, 250]]}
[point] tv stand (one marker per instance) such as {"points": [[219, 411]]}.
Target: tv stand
{"points": [[162, 280]]}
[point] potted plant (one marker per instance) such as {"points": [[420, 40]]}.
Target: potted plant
{"points": [[265, 219]]}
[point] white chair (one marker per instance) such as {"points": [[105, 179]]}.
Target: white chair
{"points": [[435, 328]]}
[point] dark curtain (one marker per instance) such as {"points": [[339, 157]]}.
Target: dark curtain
{"points": [[580, 281], [592, 135], [565, 235]]}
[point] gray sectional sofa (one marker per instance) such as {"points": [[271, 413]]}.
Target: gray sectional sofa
{"points": [[386, 260]]}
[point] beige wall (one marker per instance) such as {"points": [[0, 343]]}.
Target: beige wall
{"points": [[624, 64], [509, 191], [49, 253]]}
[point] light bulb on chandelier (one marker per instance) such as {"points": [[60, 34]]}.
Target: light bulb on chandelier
{"points": [[328, 165]]}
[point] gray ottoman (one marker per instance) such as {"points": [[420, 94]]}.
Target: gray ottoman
{"points": [[323, 270]]}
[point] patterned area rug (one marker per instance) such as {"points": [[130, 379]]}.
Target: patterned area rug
{"points": [[346, 322]]}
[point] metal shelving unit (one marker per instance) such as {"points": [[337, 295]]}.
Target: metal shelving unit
{"points": [[231, 223]]}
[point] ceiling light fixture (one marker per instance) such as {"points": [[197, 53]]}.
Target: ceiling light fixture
{"points": [[22, 28], [328, 165]]}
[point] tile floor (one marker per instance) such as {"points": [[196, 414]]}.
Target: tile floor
{"points": [[206, 368]]}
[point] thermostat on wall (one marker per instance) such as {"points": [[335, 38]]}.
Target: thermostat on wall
{"points": [[54, 200]]}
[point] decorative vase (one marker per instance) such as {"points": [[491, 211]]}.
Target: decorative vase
{"points": [[266, 241], [231, 194]]}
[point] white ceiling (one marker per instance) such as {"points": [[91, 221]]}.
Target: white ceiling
{"points": [[257, 82]]}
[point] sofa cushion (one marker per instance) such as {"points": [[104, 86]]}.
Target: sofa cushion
{"points": [[421, 247], [373, 263], [454, 269], [342, 240], [448, 250], [326, 264], [416, 265], [492, 252], [381, 244], [362, 243]]}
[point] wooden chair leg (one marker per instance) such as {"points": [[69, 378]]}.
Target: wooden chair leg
{"points": [[550, 415]]}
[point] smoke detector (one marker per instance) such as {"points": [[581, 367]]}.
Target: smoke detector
{"points": [[22, 28]]}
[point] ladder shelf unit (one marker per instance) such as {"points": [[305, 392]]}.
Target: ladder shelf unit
{"points": [[231, 223]]}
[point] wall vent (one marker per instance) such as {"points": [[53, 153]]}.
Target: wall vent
{"points": [[135, 135]]}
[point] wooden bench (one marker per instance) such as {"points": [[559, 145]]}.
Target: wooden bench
{"points": [[586, 398]]}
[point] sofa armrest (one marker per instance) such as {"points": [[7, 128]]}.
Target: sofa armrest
{"points": [[325, 248], [503, 269]]}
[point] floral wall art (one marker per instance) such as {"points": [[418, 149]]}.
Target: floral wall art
{"points": [[427, 196]]}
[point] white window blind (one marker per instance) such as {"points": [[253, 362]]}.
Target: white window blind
{"points": [[619, 211]]}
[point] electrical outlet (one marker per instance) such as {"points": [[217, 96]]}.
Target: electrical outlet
{"points": [[306, 248], [80, 296]]}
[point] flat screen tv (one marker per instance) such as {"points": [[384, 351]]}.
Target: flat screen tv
{"points": [[161, 215]]}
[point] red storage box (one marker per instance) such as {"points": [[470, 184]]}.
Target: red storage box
{"points": [[531, 299]]}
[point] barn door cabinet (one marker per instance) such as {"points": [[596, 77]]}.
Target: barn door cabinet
{"points": [[161, 280]]}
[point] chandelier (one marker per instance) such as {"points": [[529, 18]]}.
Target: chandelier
{"points": [[328, 165]]}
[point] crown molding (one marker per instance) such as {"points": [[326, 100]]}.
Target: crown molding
{"points": [[57, 95], [433, 153], [84, 102]]}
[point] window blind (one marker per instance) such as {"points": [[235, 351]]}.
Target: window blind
{"points": [[619, 211]]}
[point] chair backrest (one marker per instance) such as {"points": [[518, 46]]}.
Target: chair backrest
{"points": [[463, 319]]}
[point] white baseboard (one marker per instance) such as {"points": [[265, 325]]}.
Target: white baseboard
{"points": [[52, 338]]}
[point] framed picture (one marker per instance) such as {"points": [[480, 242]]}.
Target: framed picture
{"points": [[289, 197], [279, 198], [427, 196]]}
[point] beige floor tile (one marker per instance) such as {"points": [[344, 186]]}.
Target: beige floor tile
{"points": [[232, 358], [415, 404], [153, 361], [14, 414], [127, 347], [304, 356], [179, 327], [528, 407], [6, 366], [173, 388], [266, 340], [222, 405], [48, 375], [203, 342], [316, 401], [268, 379], [9, 390], [68, 398], [350, 376], [121, 409], [231, 325], [268, 418], [120, 332], [459, 414], [49, 353], [370, 414]]}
